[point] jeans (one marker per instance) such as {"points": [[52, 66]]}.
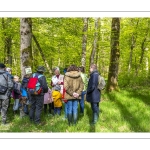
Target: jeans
{"points": [[16, 104], [65, 109], [95, 107], [72, 106], [81, 102], [57, 110]]}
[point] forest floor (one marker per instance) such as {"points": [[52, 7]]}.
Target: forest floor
{"points": [[124, 111]]}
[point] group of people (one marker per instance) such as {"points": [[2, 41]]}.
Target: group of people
{"points": [[68, 89]]}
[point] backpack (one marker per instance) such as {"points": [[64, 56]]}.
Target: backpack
{"points": [[17, 88], [3, 84], [34, 86], [24, 92], [101, 83]]}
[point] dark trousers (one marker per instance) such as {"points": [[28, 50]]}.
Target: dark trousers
{"points": [[4, 106], [95, 107], [51, 106], [36, 108]]}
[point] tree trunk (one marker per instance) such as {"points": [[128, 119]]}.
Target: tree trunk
{"points": [[26, 44], [133, 42], [42, 54], [143, 47], [98, 42], [7, 41], [114, 56], [84, 41], [94, 43]]}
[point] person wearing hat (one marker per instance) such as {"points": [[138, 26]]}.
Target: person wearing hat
{"points": [[57, 96], [6, 85], [37, 101]]}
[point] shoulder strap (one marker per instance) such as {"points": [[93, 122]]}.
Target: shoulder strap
{"points": [[33, 75], [39, 76], [6, 79]]}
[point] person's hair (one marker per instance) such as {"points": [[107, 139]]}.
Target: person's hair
{"points": [[16, 78], [8, 69], [27, 75], [72, 68], [94, 66], [56, 68], [82, 69]]}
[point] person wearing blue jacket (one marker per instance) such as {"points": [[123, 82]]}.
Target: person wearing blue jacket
{"points": [[93, 94]]}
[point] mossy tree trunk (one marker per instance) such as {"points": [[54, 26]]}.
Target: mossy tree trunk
{"points": [[26, 42], [114, 56]]}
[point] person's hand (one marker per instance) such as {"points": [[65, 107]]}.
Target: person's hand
{"points": [[76, 95], [58, 82]]}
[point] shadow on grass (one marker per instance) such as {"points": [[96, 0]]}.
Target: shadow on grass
{"points": [[129, 117], [49, 123], [89, 114], [142, 96]]}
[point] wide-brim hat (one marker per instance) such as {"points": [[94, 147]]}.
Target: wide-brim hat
{"points": [[41, 69]]}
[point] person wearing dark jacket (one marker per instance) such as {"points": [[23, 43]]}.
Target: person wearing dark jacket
{"points": [[37, 101], [93, 94], [6, 85]]}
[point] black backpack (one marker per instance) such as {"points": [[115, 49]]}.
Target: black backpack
{"points": [[17, 88], [3, 83]]}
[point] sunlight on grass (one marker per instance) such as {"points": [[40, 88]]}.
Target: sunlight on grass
{"points": [[124, 111]]}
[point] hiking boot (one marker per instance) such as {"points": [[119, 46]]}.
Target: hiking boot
{"points": [[69, 119], [75, 119], [95, 118]]}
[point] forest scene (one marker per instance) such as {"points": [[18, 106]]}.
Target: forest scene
{"points": [[120, 47]]}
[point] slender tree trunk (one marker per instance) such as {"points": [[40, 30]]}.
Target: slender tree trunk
{"points": [[26, 42], [133, 42], [98, 42], [143, 47], [42, 54], [114, 56], [7, 41], [84, 41], [94, 43]]}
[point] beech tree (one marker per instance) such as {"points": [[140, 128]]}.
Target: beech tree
{"points": [[26, 44], [114, 55]]}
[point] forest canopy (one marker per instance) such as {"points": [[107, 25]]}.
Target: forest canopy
{"points": [[119, 46]]}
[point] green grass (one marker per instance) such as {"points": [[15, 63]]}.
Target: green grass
{"points": [[124, 111]]}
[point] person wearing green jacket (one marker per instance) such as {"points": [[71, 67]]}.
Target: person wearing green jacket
{"points": [[85, 81]]}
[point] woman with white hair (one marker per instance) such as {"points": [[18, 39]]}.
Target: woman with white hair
{"points": [[57, 79]]}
